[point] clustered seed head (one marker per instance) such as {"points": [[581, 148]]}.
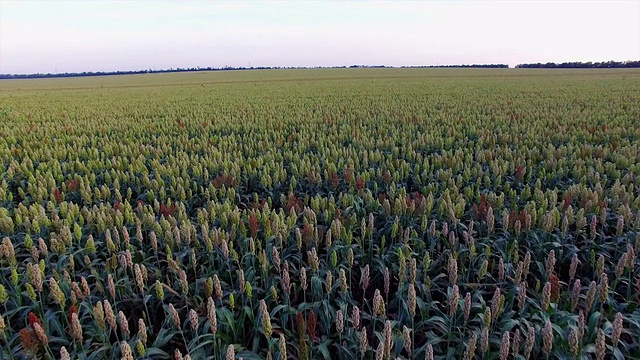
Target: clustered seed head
{"points": [[314, 261], [471, 347], [550, 263], [386, 277], [282, 347], [487, 317], [266, 318], [603, 288], [547, 337], [193, 319], [622, 264], [211, 316], [217, 288], [364, 343], [286, 281], [575, 294], [617, 329], [343, 281], [526, 264], [303, 278], [56, 293], [355, 317], [581, 324], [413, 270], [125, 351], [429, 352], [406, 337], [546, 296], [453, 301], [380, 351], [378, 304], [40, 333], [529, 342], [64, 354], [495, 303], [388, 339], [515, 343], [142, 331], [339, 322], [174, 316], [412, 300], [574, 343], [505, 345], [124, 324], [501, 269], [573, 267], [111, 318], [620, 225], [484, 340], [453, 270], [490, 220], [275, 256], [600, 265], [591, 296], [601, 345], [111, 286], [467, 306], [76, 328]]}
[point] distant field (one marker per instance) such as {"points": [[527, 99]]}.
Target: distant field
{"points": [[335, 214], [217, 77]]}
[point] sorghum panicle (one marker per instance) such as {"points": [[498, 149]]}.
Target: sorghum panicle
{"points": [[76, 328], [412, 300], [603, 288], [601, 345], [174, 316], [529, 342], [546, 296], [591, 296], [574, 344], [406, 336], [339, 322], [575, 294], [515, 343], [573, 267], [125, 351], [355, 317], [124, 323], [547, 337], [211, 316], [364, 343], [505, 345], [467, 306], [617, 329], [142, 331], [471, 347], [110, 316]]}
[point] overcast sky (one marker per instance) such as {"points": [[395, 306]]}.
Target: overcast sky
{"points": [[72, 36]]}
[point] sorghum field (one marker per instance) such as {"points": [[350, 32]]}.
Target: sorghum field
{"points": [[322, 214]]}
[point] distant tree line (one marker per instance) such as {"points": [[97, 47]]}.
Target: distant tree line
{"points": [[550, 65], [129, 72], [485, 66], [583, 65]]}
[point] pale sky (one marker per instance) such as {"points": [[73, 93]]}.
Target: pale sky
{"points": [[72, 36]]}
